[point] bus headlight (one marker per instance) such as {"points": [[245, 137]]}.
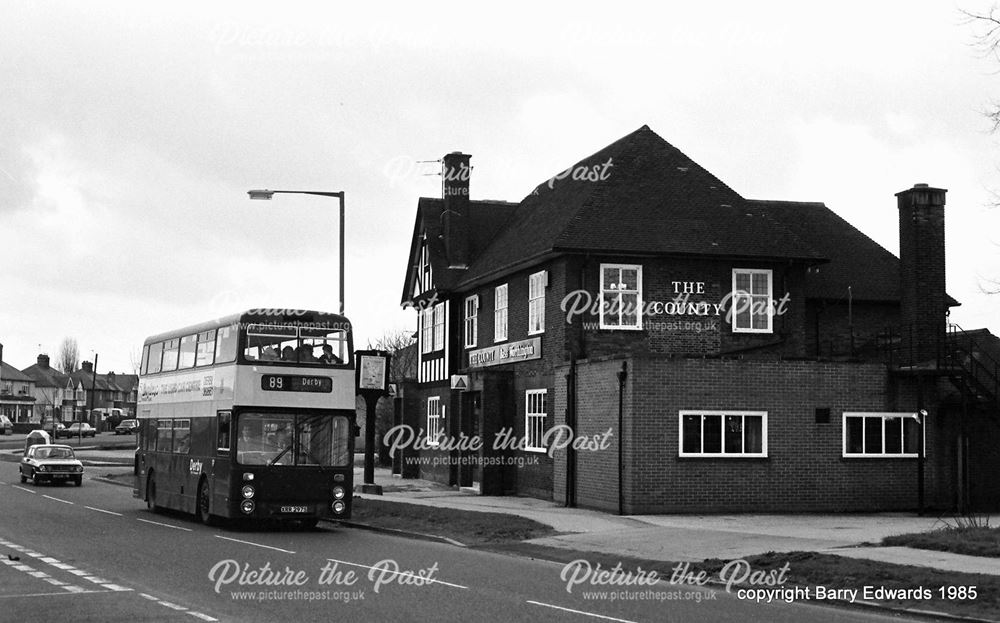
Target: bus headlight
{"points": [[248, 492], [338, 507], [246, 506], [338, 493]]}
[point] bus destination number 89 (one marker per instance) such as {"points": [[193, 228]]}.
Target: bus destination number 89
{"points": [[296, 383]]}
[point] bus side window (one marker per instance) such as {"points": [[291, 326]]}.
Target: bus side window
{"points": [[225, 417], [225, 345]]}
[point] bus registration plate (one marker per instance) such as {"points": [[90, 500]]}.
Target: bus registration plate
{"points": [[294, 509]]}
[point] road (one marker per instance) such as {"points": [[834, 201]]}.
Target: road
{"points": [[94, 553]]}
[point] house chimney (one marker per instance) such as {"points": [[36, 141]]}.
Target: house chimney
{"points": [[455, 195], [86, 366], [923, 301], [43, 361]]}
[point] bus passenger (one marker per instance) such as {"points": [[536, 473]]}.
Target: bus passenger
{"points": [[328, 356], [306, 354], [288, 354], [269, 354]]}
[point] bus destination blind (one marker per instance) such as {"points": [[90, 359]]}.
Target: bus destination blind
{"points": [[296, 383]]}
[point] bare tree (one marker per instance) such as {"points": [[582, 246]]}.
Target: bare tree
{"points": [[69, 355], [402, 365], [135, 359], [986, 39], [404, 359]]}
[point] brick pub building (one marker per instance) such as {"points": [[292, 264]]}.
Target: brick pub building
{"points": [[710, 352]]}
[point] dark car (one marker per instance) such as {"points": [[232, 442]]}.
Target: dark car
{"points": [[51, 463], [77, 429], [127, 427]]}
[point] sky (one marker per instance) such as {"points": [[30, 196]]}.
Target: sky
{"points": [[131, 132]]}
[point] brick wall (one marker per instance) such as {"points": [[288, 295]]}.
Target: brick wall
{"points": [[804, 470]]}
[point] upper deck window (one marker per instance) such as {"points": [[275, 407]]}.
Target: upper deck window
{"points": [[296, 345]]}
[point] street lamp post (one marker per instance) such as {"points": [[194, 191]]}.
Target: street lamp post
{"points": [[267, 194]]}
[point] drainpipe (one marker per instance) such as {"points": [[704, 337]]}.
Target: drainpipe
{"points": [[622, 375], [571, 423]]}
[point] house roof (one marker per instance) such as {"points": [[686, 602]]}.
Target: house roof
{"points": [[485, 219], [653, 200], [10, 373], [856, 261], [100, 383], [46, 376]]}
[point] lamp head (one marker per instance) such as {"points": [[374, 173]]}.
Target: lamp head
{"points": [[260, 194]]}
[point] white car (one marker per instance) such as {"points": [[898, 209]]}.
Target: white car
{"points": [[51, 463]]}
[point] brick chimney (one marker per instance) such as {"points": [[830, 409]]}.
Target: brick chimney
{"points": [[43, 361], [86, 366], [455, 195], [923, 301]]}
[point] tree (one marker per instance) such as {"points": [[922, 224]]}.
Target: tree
{"points": [[986, 39], [69, 355], [404, 359], [135, 359], [402, 365]]}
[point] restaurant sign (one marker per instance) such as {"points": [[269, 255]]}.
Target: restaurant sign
{"points": [[501, 354]]}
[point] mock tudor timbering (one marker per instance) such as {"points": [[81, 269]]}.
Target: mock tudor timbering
{"points": [[760, 355]]}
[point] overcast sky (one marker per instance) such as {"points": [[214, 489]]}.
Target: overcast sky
{"points": [[130, 133]]}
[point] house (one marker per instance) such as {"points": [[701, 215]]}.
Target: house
{"points": [[50, 390], [100, 392], [636, 336], [17, 401]]}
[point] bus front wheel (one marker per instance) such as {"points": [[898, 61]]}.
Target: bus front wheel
{"points": [[151, 493], [205, 504]]}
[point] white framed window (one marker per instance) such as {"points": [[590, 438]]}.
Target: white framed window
{"points": [[500, 313], [535, 405], [751, 309], [439, 326], [424, 272], [433, 420], [471, 320], [621, 296], [886, 435], [723, 433], [536, 302], [426, 330]]}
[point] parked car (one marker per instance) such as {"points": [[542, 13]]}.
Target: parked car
{"points": [[6, 426], [77, 429], [51, 463], [127, 427]]}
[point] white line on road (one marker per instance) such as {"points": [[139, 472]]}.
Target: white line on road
{"points": [[173, 606], [589, 614], [148, 596], [24, 489], [78, 592], [277, 549], [165, 525], [203, 617], [57, 499], [401, 573], [101, 510]]}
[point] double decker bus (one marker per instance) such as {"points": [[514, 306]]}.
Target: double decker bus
{"points": [[249, 416]]}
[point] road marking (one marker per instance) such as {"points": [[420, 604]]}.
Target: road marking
{"points": [[203, 617], [78, 592], [75, 571], [21, 567], [165, 525], [148, 596], [49, 559], [174, 606], [55, 582], [58, 499], [589, 614], [23, 489], [95, 579], [403, 574], [75, 589], [38, 574], [277, 549], [62, 565], [101, 510], [33, 554]]}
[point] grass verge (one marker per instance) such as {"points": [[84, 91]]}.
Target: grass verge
{"points": [[809, 570], [972, 541], [468, 527]]}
